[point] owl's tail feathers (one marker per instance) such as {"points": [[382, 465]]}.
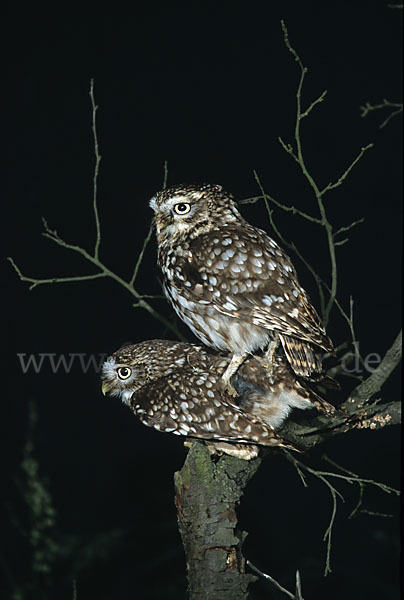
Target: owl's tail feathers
{"points": [[329, 383], [303, 358], [321, 404], [265, 450]]}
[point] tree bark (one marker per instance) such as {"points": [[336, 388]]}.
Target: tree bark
{"points": [[207, 492]]}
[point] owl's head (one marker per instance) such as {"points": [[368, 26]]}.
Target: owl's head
{"points": [[189, 210], [134, 365], [124, 372], [119, 379]]}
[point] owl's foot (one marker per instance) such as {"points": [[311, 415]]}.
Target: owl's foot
{"points": [[228, 388], [232, 367], [268, 360]]}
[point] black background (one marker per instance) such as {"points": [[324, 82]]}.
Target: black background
{"points": [[208, 87]]}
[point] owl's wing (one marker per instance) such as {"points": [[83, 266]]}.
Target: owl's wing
{"points": [[192, 404], [245, 275]]}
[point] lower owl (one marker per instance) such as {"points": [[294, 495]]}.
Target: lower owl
{"points": [[175, 387]]}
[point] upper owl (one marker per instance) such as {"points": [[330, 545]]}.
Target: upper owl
{"points": [[230, 282]]}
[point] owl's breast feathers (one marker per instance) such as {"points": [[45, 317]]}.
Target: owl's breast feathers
{"points": [[246, 276]]}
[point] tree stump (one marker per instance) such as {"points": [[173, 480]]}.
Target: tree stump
{"points": [[207, 492]]}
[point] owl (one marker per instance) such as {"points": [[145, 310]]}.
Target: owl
{"points": [[232, 284], [176, 387]]}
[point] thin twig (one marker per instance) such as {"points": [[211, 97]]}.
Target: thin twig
{"points": [[341, 242], [96, 170], [277, 585], [355, 510], [351, 478], [334, 494], [105, 272], [300, 160], [316, 277], [374, 383], [368, 107], [376, 514], [297, 155], [299, 595], [313, 104], [36, 282], [332, 186], [165, 178], [292, 209], [350, 322], [94, 259], [348, 227], [360, 483], [140, 257]]}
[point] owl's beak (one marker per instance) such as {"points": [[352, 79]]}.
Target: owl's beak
{"points": [[106, 386]]}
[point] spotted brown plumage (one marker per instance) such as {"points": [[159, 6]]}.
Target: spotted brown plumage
{"points": [[230, 282], [176, 387]]}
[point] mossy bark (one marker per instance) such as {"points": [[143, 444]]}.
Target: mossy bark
{"points": [[208, 490]]}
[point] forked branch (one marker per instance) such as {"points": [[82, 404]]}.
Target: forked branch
{"points": [[93, 258]]}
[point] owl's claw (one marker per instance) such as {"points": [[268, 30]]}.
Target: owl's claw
{"points": [[236, 361], [268, 360], [228, 388]]}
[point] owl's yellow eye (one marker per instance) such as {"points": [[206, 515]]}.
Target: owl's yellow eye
{"points": [[124, 372], [182, 208]]}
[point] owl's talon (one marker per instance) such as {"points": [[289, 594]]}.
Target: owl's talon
{"points": [[228, 388], [266, 366], [268, 360]]}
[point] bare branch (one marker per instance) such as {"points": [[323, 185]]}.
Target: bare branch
{"points": [[94, 259], [311, 432], [351, 478], [36, 282], [96, 170], [105, 272], [165, 178], [278, 586], [288, 148], [348, 227], [375, 514], [300, 160], [141, 253], [298, 587], [332, 186], [360, 483], [292, 209], [374, 383], [313, 104], [368, 107], [341, 242], [334, 494]]}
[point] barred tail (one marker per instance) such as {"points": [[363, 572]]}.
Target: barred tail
{"points": [[303, 359]]}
